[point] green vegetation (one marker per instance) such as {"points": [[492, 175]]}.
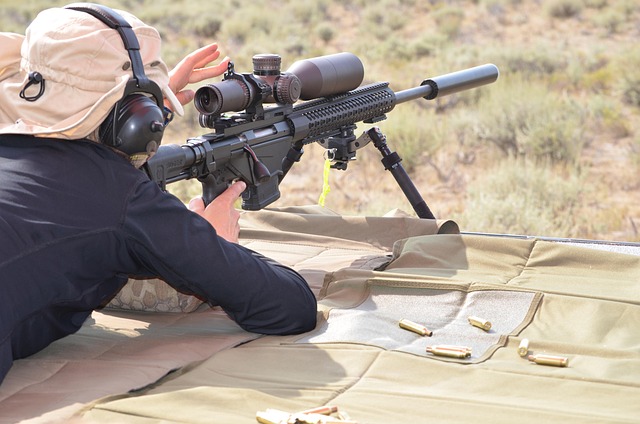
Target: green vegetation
{"points": [[552, 148], [527, 197]]}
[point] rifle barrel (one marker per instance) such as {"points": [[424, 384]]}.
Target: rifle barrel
{"points": [[451, 83]]}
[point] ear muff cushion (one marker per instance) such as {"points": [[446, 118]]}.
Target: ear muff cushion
{"points": [[134, 125]]}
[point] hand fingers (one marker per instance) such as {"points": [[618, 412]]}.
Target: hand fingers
{"points": [[185, 96], [231, 194], [235, 190], [203, 73], [208, 58], [196, 58], [196, 205]]}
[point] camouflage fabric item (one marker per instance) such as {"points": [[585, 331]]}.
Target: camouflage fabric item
{"points": [[153, 295]]}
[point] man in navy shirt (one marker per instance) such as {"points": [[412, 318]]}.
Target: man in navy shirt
{"points": [[77, 217]]}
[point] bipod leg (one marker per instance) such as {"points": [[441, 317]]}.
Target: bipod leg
{"points": [[391, 161]]}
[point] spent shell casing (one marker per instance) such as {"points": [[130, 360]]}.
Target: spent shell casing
{"points": [[523, 348], [324, 410], [480, 323], [467, 350], [450, 353], [315, 419], [553, 360], [416, 328]]}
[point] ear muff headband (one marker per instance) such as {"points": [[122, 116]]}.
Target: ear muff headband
{"points": [[135, 125]]}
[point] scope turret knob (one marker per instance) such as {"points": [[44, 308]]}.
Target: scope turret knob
{"points": [[266, 64], [287, 88]]}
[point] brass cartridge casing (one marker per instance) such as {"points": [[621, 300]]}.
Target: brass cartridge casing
{"points": [[523, 349], [553, 360], [416, 328], [324, 410], [480, 323], [450, 353], [455, 348]]}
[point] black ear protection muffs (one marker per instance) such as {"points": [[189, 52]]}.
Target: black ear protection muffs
{"points": [[136, 123]]}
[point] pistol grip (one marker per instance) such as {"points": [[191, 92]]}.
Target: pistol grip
{"points": [[211, 188]]}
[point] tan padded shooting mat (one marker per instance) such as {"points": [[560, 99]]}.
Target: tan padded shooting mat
{"points": [[588, 311]]}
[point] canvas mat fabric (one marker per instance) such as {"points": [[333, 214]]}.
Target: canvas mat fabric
{"points": [[443, 311], [588, 311], [113, 352]]}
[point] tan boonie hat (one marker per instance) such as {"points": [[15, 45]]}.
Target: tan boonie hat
{"points": [[85, 68]]}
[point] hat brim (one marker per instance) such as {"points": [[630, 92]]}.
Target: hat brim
{"points": [[74, 126]]}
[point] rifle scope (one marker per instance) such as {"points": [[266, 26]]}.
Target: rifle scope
{"points": [[305, 79]]}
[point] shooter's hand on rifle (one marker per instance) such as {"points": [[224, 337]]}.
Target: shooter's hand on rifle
{"points": [[221, 212]]}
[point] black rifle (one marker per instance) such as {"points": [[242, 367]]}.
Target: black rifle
{"points": [[259, 144]]}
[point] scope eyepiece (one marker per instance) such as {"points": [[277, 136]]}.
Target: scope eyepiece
{"points": [[207, 100], [232, 94]]}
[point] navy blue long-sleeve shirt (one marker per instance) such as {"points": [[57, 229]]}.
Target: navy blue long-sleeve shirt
{"points": [[76, 220]]}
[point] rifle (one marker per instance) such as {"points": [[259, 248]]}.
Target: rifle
{"points": [[259, 144]]}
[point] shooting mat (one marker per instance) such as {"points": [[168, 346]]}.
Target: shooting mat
{"points": [[566, 299]]}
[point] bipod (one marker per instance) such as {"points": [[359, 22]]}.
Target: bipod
{"points": [[391, 161]]}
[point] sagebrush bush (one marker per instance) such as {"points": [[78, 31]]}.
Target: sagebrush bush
{"points": [[526, 119], [628, 76], [607, 116], [610, 20], [563, 8], [541, 60], [596, 4], [325, 32], [412, 133], [525, 197], [449, 20]]}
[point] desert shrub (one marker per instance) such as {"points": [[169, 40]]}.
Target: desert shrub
{"points": [[307, 12], [607, 116], [523, 118], [525, 197], [395, 19], [427, 44], [382, 20], [627, 7], [449, 20], [16, 19], [325, 32], [542, 59], [236, 30], [597, 81], [634, 151], [610, 20], [628, 72], [207, 25], [596, 4], [563, 8], [410, 132]]}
